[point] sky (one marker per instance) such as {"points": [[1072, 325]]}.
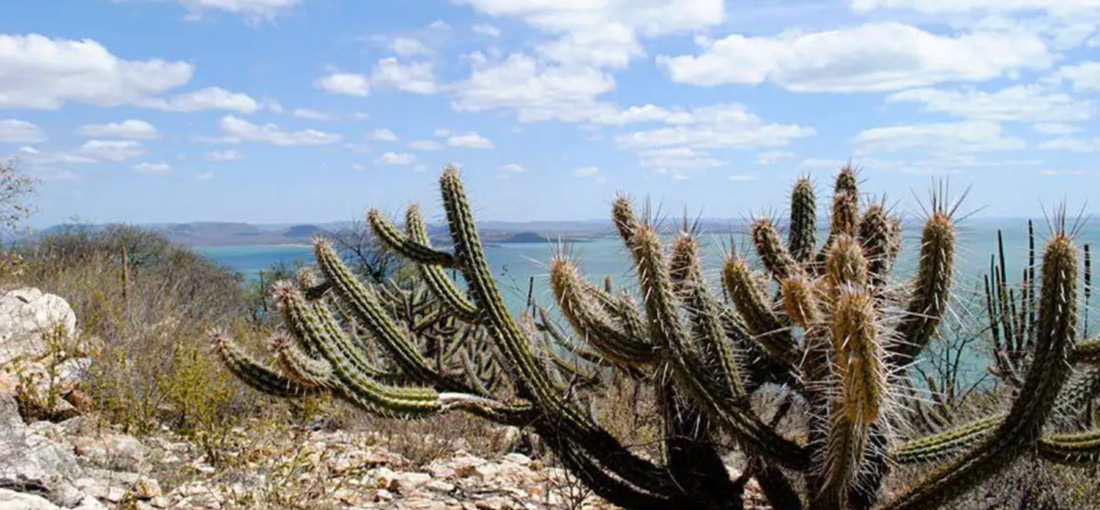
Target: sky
{"points": [[292, 111]]}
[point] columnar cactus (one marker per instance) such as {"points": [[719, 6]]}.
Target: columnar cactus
{"points": [[831, 324]]}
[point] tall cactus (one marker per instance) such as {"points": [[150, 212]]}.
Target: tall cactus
{"points": [[841, 332]]}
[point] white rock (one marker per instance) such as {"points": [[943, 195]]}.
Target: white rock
{"points": [[11, 500], [27, 319]]}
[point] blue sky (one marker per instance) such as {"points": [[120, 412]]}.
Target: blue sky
{"points": [[276, 111]]}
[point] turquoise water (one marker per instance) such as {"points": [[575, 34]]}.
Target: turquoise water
{"points": [[514, 264]]}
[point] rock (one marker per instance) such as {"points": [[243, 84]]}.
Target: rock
{"points": [[29, 320], [11, 500], [405, 483], [147, 488], [113, 451], [39, 391], [34, 463], [518, 458]]}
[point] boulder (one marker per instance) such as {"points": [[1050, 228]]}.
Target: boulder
{"points": [[29, 319], [30, 462], [11, 500], [120, 452]]}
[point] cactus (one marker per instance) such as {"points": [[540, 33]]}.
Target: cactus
{"points": [[840, 332]]}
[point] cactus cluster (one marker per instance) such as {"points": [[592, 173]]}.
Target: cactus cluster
{"points": [[830, 323]]}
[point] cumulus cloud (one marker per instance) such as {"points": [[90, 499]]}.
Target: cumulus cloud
{"points": [[397, 158], [20, 131], [210, 98], [43, 73], [872, 57], [956, 137], [237, 129], [469, 140], [157, 168], [348, 84], [1025, 103], [133, 129]]}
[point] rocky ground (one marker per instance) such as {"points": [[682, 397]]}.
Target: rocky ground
{"points": [[72, 459], [56, 453], [85, 465]]}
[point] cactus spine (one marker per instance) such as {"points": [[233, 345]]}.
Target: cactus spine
{"points": [[833, 335]]}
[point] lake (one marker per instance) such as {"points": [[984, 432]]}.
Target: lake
{"points": [[514, 264]]}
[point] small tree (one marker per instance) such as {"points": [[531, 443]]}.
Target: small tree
{"points": [[15, 188]]}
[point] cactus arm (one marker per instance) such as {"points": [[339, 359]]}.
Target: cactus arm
{"points": [[397, 242], [939, 446], [664, 324], [367, 307], [931, 290], [1048, 374], [845, 209], [299, 366], [693, 459], [254, 373], [590, 321], [876, 237], [1079, 449], [514, 346], [434, 276], [777, 260], [752, 304], [379, 399], [1078, 393], [862, 379], [704, 315], [1088, 352], [803, 231]]}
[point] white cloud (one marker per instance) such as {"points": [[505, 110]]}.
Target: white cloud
{"points": [[425, 145], [225, 156], [43, 73], [397, 158], [1048, 172], [439, 25], [1085, 76], [306, 113], [1072, 144], [588, 171], [20, 131], [1055, 128], [158, 168], [512, 168], [962, 6], [871, 57], [382, 135], [204, 176], [133, 129], [348, 84], [606, 32], [469, 140], [416, 77], [104, 150], [1025, 103], [210, 98], [723, 125], [947, 137], [678, 159], [743, 177], [407, 46], [536, 91], [237, 129], [486, 29]]}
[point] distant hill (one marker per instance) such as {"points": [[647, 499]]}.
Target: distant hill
{"points": [[303, 232]]}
